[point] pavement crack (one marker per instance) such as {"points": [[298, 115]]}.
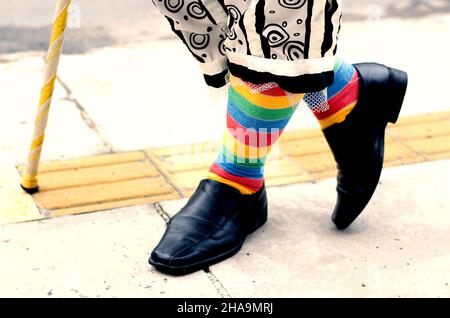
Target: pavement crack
{"points": [[162, 173], [223, 292], [398, 140], [220, 289], [85, 116], [160, 210]]}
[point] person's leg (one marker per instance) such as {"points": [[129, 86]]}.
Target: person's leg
{"points": [[255, 121], [257, 115], [276, 51], [353, 113], [271, 47], [334, 103]]}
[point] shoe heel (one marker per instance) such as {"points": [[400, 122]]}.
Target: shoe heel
{"points": [[260, 220], [257, 211], [397, 84]]}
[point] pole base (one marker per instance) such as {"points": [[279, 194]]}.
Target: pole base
{"points": [[30, 190]]}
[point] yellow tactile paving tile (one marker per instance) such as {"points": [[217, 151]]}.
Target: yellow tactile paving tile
{"points": [[187, 180], [304, 147], [203, 147], [396, 154], [316, 163], [186, 162], [278, 171], [100, 182], [124, 179], [423, 130], [115, 204], [100, 193], [427, 135], [301, 133], [76, 177], [431, 146], [424, 118], [93, 161]]}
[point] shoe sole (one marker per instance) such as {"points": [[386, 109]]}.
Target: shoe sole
{"points": [[204, 265], [188, 269]]}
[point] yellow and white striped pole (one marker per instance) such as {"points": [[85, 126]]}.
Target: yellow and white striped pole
{"points": [[29, 176]]}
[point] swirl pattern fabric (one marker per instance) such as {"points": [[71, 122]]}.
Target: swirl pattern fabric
{"points": [[289, 42]]}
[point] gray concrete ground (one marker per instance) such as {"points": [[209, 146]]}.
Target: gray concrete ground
{"points": [[115, 92], [94, 255], [399, 247]]}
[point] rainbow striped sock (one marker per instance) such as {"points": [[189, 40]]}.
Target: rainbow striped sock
{"points": [[334, 103], [257, 115]]}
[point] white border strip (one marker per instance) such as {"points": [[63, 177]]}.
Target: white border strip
{"points": [[317, 28], [214, 67], [283, 68]]}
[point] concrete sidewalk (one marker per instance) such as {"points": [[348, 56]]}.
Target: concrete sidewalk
{"points": [[399, 247], [133, 87], [121, 98]]}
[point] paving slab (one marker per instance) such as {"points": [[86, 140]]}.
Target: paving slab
{"points": [[100, 182], [142, 95], [91, 255], [15, 204], [394, 42], [399, 247], [67, 134]]}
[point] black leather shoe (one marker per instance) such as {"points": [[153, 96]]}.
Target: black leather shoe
{"points": [[211, 227], [358, 142]]}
